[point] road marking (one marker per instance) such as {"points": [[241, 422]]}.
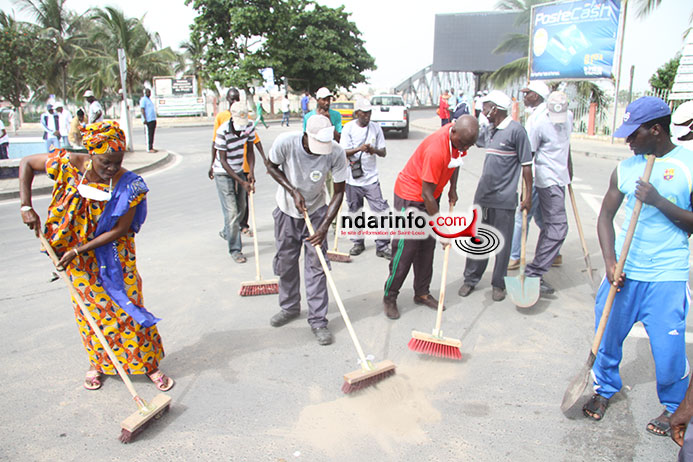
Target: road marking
{"points": [[594, 201]]}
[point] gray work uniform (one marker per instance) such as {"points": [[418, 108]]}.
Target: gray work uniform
{"points": [[507, 150], [307, 173]]}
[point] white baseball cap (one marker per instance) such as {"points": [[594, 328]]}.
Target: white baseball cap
{"points": [[320, 134], [538, 87], [58, 104], [323, 93], [88, 93], [239, 114], [557, 104], [362, 104], [498, 98], [683, 113]]}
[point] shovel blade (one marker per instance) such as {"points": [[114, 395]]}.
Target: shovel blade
{"points": [[577, 385], [523, 291]]}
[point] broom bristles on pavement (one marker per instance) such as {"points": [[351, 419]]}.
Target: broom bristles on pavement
{"points": [[139, 420], [360, 379], [259, 288], [333, 255], [441, 347]]}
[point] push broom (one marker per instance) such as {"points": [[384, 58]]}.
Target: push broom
{"points": [[258, 286], [579, 382], [137, 421], [334, 254], [370, 373], [435, 344]]}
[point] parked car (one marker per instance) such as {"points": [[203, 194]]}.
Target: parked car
{"points": [[345, 108], [391, 113]]}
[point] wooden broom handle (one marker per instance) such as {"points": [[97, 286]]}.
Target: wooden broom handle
{"points": [[338, 299], [523, 238], [621, 261], [251, 210], [90, 319], [443, 281], [336, 231]]}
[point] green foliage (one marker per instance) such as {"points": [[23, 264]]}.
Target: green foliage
{"points": [[23, 54], [663, 78]]}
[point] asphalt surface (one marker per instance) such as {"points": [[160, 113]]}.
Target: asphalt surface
{"points": [[248, 391]]}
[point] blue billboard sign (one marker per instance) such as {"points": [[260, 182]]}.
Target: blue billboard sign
{"points": [[573, 39]]}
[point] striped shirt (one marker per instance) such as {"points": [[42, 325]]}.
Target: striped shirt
{"points": [[226, 143]]}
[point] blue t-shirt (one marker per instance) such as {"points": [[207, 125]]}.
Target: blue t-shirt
{"points": [[149, 109], [304, 103], [335, 118], [659, 251]]}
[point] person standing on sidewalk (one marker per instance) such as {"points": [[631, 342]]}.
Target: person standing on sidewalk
{"points": [[653, 287], [50, 122], [94, 109], [299, 162], [286, 110], [148, 119], [507, 153], [444, 108], [363, 142], [75, 133], [304, 103], [64, 118], [550, 140], [419, 185], [4, 142], [233, 137]]}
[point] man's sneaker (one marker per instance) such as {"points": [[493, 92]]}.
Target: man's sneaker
{"points": [[498, 294], [465, 290], [357, 249], [386, 254], [513, 265], [323, 335], [546, 289], [390, 306], [281, 318], [558, 261]]}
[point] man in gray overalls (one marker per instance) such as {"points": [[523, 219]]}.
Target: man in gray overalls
{"points": [[300, 162]]}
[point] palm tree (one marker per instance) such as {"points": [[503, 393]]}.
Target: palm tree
{"points": [[191, 62]]}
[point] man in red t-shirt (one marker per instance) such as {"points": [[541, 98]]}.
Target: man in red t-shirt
{"points": [[420, 184], [444, 108]]}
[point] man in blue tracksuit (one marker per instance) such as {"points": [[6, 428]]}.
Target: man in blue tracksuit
{"points": [[654, 284]]}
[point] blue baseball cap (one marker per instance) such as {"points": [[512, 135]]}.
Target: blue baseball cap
{"points": [[640, 111]]}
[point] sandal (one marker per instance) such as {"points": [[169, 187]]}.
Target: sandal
{"points": [[595, 407], [660, 426], [238, 257], [92, 381], [247, 232], [162, 382]]}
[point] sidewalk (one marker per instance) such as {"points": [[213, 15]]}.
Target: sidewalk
{"points": [[579, 144], [137, 161]]}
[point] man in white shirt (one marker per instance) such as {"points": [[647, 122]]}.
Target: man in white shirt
{"points": [[285, 110], [363, 142], [682, 125], [94, 109], [64, 119], [4, 142], [50, 122]]}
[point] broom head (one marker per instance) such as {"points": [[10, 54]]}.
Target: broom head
{"points": [[259, 288], [443, 347], [133, 425], [333, 255], [364, 378]]}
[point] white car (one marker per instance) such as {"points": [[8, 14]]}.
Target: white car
{"points": [[391, 113]]}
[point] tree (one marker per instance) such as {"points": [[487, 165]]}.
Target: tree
{"points": [[191, 62], [663, 78], [23, 54]]}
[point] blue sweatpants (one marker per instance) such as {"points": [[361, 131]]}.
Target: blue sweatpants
{"points": [[662, 308]]}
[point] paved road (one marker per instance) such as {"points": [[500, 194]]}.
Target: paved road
{"points": [[247, 391]]}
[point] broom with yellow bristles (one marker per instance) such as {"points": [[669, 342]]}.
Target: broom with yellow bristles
{"points": [[369, 373], [435, 344], [258, 286], [138, 420]]}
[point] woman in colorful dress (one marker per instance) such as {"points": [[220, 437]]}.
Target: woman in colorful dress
{"points": [[96, 208]]}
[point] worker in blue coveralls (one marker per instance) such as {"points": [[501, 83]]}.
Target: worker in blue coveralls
{"points": [[653, 287]]}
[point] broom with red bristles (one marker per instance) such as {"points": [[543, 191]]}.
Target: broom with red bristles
{"points": [[435, 344], [258, 286], [369, 373]]}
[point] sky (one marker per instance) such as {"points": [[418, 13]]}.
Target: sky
{"points": [[399, 33]]}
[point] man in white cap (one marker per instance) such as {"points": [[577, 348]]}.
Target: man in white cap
{"points": [[324, 97], [234, 138], [64, 118], [50, 122], [300, 162], [682, 125], [363, 142], [507, 153], [94, 109]]}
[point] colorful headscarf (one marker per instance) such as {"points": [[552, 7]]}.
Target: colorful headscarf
{"points": [[103, 137]]}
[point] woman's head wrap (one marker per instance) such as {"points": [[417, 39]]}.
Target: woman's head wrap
{"points": [[103, 137]]}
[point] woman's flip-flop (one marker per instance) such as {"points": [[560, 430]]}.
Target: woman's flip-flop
{"points": [[161, 381], [92, 381]]}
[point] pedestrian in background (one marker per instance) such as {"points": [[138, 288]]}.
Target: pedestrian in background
{"points": [[304, 103], [285, 110], [64, 119], [75, 133], [444, 108], [50, 122], [148, 119], [4, 142], [259, 117], [94, 109]]}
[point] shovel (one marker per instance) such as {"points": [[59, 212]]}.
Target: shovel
{"points": [[585, 252], [523, 291]]}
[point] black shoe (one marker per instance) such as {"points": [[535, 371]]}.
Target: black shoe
{"points": [[357, 249], [323, 335], [498, 294], [386, 254], [281, 318], [427, 300], [545, 289], [390, 306], [465, 290]]}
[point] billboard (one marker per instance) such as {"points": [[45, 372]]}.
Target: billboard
{"points": [[573, 39], [177, 96]]}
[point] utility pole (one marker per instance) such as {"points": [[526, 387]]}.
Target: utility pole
{"points": [[123, 65]]}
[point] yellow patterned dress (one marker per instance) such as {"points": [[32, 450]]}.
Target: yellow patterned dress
{"points": [[72, 221]]}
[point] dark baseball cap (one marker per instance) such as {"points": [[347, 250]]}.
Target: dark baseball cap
{"points": [[640, 111]]}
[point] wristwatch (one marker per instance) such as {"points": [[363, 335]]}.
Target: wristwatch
{"points": [[25, 208]]}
